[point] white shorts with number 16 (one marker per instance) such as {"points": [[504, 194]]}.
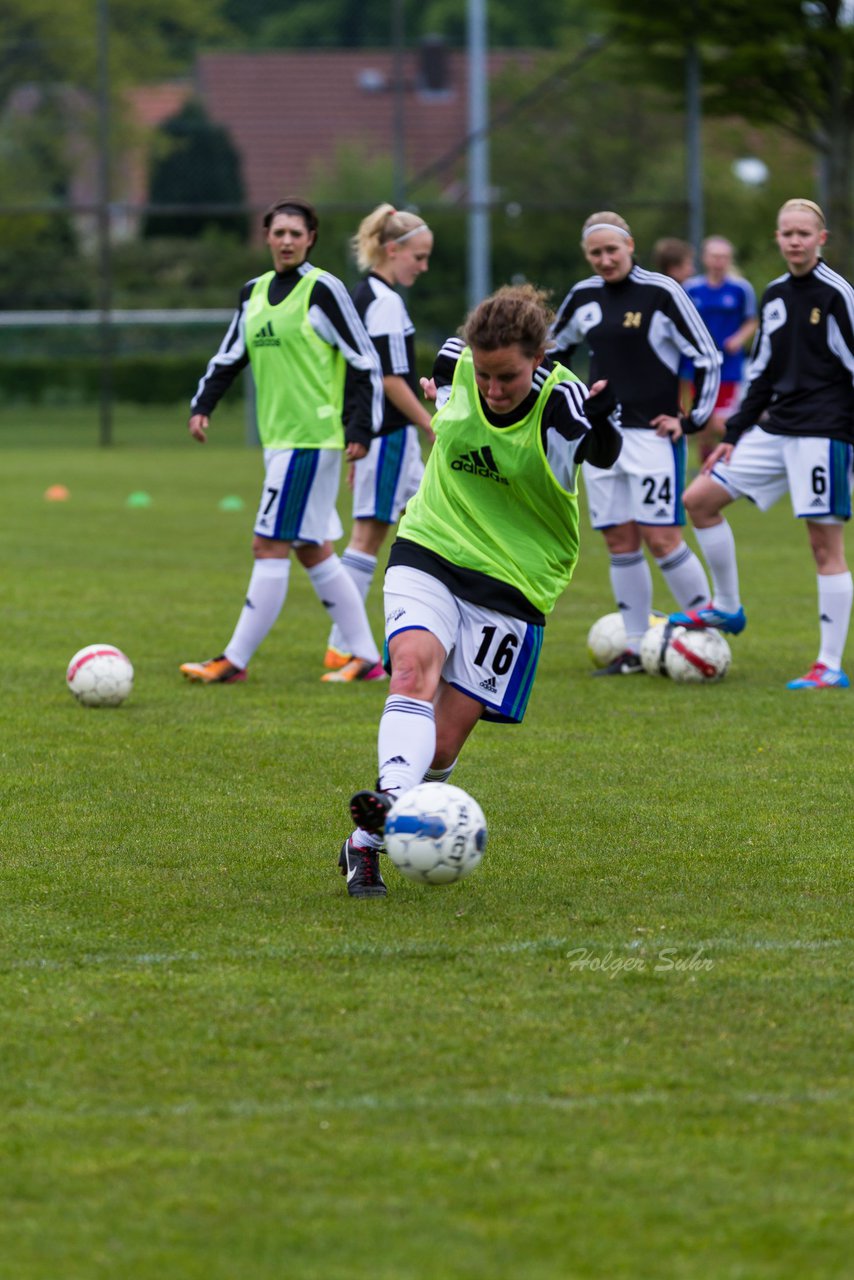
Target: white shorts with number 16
{"points": [[489, 656]]}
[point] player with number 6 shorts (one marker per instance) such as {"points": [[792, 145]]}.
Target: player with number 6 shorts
{"points": [[794, 431]]}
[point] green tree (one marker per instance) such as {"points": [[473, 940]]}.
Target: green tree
{"points": [[368, 23], [785, 63], [56, 41], [199, 165]]}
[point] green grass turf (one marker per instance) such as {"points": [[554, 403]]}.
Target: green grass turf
{"points": [[621, 1049]]}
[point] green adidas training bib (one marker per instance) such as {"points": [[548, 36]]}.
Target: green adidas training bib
{"points": [[489, 500], [299, 378]]}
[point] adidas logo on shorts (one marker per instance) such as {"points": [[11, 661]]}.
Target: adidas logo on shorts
{"points": [[489, 685]]}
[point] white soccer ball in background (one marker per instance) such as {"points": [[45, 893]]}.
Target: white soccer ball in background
{"points": [[435, 833], [606, 639], [654, 647], [697, 657], [100, 676]]}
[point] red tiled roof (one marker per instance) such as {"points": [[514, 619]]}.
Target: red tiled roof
{"points": [[289, 112]]}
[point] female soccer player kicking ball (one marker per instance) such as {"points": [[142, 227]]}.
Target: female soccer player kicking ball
{"points": [[483, 551]]}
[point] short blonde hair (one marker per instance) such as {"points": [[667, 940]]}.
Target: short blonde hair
{"points": [[607, 218], [382, 226], [800, 203]]}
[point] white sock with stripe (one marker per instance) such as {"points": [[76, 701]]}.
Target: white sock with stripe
{"points": [[268, 588], [685, 577], [631, 582], [361, 568], [340, 598]]}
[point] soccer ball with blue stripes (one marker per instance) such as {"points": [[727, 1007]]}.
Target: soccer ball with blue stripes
{"points": [[435, 833]]}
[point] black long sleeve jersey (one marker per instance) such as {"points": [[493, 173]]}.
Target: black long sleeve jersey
{"points": [[383, 313], [636, 331], [801, 371], [334, 318], [575, 427]]}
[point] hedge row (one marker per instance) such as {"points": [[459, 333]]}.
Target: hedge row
{"points": [[140, 379]]}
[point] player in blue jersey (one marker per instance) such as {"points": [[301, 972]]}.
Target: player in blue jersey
{"points": [[727, 304], [794, 431]]}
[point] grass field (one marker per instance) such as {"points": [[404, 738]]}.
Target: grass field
{"points": [[622, 1049]]}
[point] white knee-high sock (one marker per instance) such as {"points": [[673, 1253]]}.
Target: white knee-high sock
{"points": [[361, 568], [718, 547], [685, 577], [631, 582], [406, 744], [340, 598], [268, 588], [835, 595]]}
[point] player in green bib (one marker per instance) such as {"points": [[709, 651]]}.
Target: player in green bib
{"points": [[298, 328], [483, 552]]}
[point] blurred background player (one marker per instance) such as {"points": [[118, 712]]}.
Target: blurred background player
{"points": [[483, 551], [673, 257], [727, 304], [297, 325], [637, 325], [394, 249], [801, 388]]}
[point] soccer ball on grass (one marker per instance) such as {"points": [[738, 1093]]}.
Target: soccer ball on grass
{"points": [[606, 639], [654, 646], [100, 676], [697, 657], [435, 833]]}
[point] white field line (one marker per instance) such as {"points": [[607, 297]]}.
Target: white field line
{"points": [[489, 1100]]}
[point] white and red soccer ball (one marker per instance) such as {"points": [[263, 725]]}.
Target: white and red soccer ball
{"points": [[686, 656], [100, 676]]}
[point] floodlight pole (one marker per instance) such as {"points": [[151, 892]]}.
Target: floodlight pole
{"points": [[479, 247], [105, 266]]}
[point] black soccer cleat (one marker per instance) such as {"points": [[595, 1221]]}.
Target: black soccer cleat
{"points": [[368, 810], [362, 869], [626, 664]]}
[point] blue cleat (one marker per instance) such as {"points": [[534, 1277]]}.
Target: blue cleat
{"points": [[698, 619], [820, 677]]}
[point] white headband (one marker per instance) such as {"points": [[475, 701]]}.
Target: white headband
{"points": [[422, 226], [606, 226]]}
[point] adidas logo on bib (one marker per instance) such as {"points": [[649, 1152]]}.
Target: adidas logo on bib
{"points": [[265, 336], [479, 462]]}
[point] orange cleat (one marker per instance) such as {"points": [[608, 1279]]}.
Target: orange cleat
{"points": [[334, 659], [356, 669], [214, 671]]}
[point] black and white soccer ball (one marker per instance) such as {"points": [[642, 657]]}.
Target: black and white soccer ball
{"points": [[654, 647], [435, 833], [100, 676], [697, 657], [606, 639]]}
